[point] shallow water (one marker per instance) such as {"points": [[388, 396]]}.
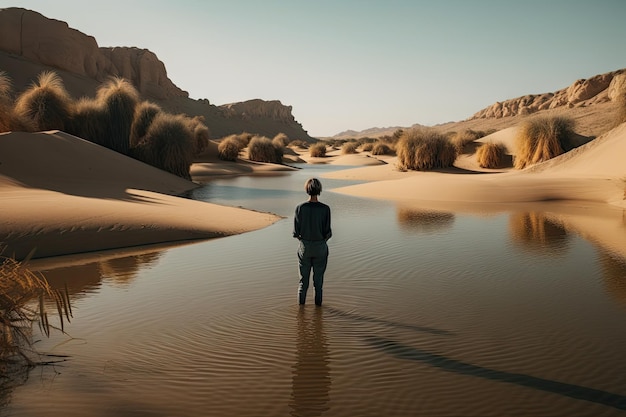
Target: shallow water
{"points": [[425, 313]]}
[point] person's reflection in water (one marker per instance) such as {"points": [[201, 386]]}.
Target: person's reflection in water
{"points": [[310, 384]]}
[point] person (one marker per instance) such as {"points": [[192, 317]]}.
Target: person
{"points": [[311, 227]]}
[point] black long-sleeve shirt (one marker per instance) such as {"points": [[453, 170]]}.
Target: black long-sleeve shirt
{"points": [[312, 221]]}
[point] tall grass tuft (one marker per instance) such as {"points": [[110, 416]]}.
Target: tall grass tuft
{"points": [[262, 149], [88, 121], [200, 132], [10, 121], [228, 149], [349, 148], [542, 138], [463, 139], [46, 103], [167, 145], [381, 148], [318, 150], [19, 287], [118, 98], [491, 155], [423, 149], [281, 140], [145, 112]]}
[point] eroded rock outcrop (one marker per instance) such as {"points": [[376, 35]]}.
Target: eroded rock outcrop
{"points": [[259, 109], [52, 42], [597, 89]]}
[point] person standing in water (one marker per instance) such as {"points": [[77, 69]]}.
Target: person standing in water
{"points": [[311, 226]]}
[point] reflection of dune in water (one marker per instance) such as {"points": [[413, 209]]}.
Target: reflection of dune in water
{"points": [[311, 373], [535, 232], [424, 221], [87, 278], [614, 274]]}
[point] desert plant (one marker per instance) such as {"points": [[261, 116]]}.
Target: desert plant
{"points": [[88, 121], [201, 134], [423, 149], [145, 112], [281, 140], [367, 147], [9, 119], [46, 103], [380, 148], [228, 149], [19, 287], [167, 145], [262, 149], [118, 99], [349, 148], [298, 144], [318, 150], [542, 138], [491, 155], [464, 138]]}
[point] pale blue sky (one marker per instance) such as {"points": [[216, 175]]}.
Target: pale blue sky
{"points": [[349, 64]]}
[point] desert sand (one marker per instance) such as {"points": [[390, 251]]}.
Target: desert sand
{"points": [[64, 195]]}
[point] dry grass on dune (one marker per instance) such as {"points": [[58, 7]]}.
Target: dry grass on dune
{"points": [[167, 145], [228, 149], [423, 149], [464, 138], [200, 132], [88, 121], [46, 103], [145, 112], [542, 138], [491, 155], [118, 99], [10, 121], [367, 147], [380, 148], [318, 150], [262, 149], [281, 140], [19, 287], [349, 148]]}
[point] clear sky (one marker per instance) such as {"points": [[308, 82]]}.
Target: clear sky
{"points": [[356, 64]]}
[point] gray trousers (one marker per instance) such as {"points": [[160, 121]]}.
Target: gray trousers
{"points": [[312, 255]]}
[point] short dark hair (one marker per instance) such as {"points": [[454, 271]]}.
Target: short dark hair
{"points": [[313, 186]]}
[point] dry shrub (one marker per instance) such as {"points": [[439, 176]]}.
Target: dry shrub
{"points": [[10, 121], [318, 150], [262, 149], [423, 149], [118, 99], [201, 134], [88, 121], [380, 148], [367, 147], [167, 145], [541, 139], [463, 139], [298, 144], [349, 148], [228, 149], [145, 112], [281, 140], [18, 288], [46, 103], [491, 155]]}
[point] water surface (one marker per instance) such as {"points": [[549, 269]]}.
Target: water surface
{"points": [[425, 313]]}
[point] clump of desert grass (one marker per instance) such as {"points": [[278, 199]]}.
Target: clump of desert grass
{"points": [[10, 121], [145, 112], [491, 155], [46, 103], [542, 138], [367, 147], [298, 143], [19, 289], [380, 148], [318, 150], [281, 139], [423, 149], [262, 149], [229, 147], [167, 145], [88, 121], [349, 148], [464, 139], [200, 132], [117, 99]]}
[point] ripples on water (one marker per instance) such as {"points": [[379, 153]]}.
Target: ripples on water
{"points": [[426, 313]]}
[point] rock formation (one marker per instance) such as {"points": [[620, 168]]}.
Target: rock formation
{"points": [[597, 89]]}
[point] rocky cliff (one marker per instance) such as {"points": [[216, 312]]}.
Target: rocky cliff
{"points": [[597, 89], [30, 43]]}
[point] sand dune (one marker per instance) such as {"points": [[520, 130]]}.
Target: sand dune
{"points": [[62, 195]]}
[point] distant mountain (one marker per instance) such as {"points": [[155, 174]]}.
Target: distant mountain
{"points": [[31, 43], [372, 132]]}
